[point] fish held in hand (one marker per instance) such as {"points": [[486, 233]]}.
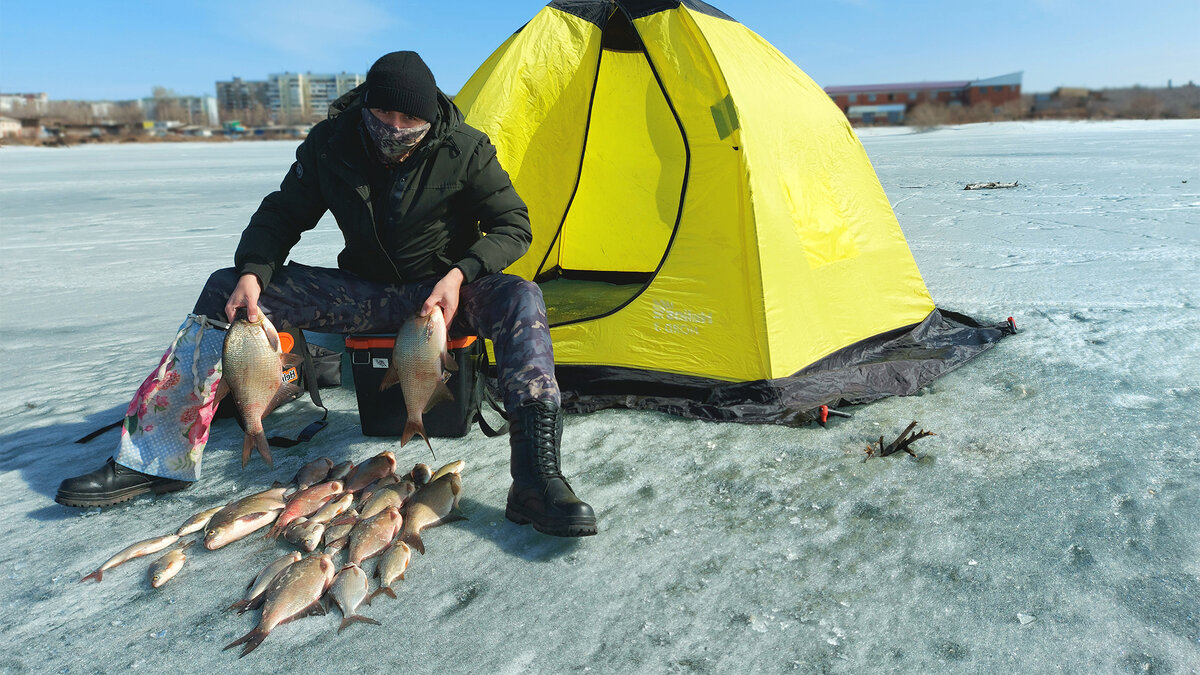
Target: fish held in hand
{"points": [[251, 370], [391, 567], [295, 593], [165, 568], [349, 592], [256, 588], [434, 504], [132, 551], [417, 364]]}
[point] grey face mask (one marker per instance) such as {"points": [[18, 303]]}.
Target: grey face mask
{"points": [[392, 144]]}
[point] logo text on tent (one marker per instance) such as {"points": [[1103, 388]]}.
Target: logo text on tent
{"points": [[668, 319]]}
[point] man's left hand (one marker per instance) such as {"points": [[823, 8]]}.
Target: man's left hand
{"points": [[445, 295]]}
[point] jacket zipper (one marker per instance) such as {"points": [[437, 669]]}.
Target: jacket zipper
{"points": [[364, 191]]}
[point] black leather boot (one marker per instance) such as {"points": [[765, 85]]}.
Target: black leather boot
{"points": [[113, 484], [540, 494]]}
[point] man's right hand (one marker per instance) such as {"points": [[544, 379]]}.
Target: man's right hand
{"points": [[245, 294]]}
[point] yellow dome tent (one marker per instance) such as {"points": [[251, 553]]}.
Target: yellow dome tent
{"points": [[709, 234]]}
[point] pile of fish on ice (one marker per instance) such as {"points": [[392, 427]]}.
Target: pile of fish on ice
{"points": [[366, 511]]}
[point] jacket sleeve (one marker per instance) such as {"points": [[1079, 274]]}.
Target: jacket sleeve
{"points": [[502, 216], [283, 215]]}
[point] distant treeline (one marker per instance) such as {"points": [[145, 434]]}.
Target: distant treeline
{"points": [[1141, 103]]}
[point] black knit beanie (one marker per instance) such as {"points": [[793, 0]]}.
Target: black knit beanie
{"points": [[402, 82]]}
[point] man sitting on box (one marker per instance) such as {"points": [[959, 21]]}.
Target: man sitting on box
{"points": [[411, 187]]}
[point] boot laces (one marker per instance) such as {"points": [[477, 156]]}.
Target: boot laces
{"points": [[545, 437]]}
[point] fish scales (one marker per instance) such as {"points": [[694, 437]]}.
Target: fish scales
{"points": [[417, 364], [295, 593], [349, 592], [434, 504], [137, 550], [251, 369]]}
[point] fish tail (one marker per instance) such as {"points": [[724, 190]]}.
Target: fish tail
{"points": [[260, 440], [252, 640], [416, 427], [240, 606], [247, 446], [382, 590], [413, 539], [98, 575], [356, 617]]}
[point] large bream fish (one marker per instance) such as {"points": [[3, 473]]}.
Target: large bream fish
{"points": [[251, 369], [296, 592], [417, 360]]}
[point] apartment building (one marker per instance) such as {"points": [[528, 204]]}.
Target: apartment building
{"points": [[304, 98]]}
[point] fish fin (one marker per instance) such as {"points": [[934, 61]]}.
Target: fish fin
{"points": [[98, 575], [222, 390], [413, 539], [252, 640], [287, 392], [254, 603], [440, 393], [271, 332], [449, 362], [240, 606], [317, 609], [355, 618], [390, 379], [247, 446], [290, 359]]}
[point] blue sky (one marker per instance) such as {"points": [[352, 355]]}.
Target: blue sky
{"points": [[121, 50]]}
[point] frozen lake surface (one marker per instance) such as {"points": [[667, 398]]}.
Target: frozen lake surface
{"points": [[1053, 524]]}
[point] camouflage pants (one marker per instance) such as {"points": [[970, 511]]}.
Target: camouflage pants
{"points": [[503, 308]]}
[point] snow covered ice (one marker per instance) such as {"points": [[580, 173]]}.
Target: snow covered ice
{"points": [[1052, 524]]}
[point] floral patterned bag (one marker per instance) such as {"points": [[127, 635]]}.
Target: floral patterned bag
{"points": [[166, 425]]}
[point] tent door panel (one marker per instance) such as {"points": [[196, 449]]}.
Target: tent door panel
{"points": [[632, 176]]}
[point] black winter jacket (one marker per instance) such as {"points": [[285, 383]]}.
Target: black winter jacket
{"points": [[443, 197]]}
